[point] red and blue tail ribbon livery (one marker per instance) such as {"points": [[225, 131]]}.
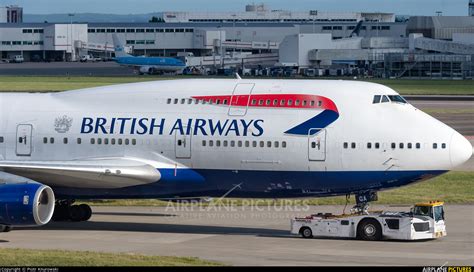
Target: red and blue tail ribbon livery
{"points": [[328, 112]]}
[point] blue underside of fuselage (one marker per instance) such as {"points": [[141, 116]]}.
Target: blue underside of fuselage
{"points": [[255, 184]]}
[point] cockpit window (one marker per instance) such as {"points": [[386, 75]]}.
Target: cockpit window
{"points": [[385, 99], [376, 99], [397, 99]]}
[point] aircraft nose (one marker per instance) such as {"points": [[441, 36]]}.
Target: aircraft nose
{"points": [[460, 149]]}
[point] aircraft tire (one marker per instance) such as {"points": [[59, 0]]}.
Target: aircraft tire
{"points": [[76, 213], [87, 212]]}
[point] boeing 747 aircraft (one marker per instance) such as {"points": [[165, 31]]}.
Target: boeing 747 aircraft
{"points": [[203, 137], [146, 65]]}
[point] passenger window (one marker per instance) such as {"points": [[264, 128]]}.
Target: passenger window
{"points": [[418, 145], [304, 103], [377, 145], [232, 143], [240, 143], [275, 102], [262, 144], [346, 145], [204, 143], [276, 144], [269, 144], [376, 99], [45, 140], [176, 100], [369, 145], [51, 140], [211, 143], [134, 141], [409, 145], [254, 144], [401, 145], [112, 141], [190, 101], [353, 145], [218, 101], [65, 140], [168, 101], [385, 99], [247, 144], [268, 102], [282, 102], [106, 141], [1, 139], [120, 141], [394, 145], [312, 103], [283, 144], [225, 101], [99, 141], [443, 146], [297, 103], [435, 146], [79, 141], [183, 100], [290, 102], [260, 102], [218, 143], [225, 143], [313, 145], [127, 141], [254, 102]]}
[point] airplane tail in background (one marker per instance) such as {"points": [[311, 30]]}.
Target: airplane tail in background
{"points": [[119, 49]]}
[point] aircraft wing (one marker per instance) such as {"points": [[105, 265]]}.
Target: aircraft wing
{"points": [[89, 173]]}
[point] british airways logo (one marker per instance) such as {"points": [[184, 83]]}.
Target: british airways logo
{"points": [[161, 126]]}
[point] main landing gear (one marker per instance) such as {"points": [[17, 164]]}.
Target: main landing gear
{"points": [[66, 211]]}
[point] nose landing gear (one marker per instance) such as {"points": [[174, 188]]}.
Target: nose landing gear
{"points": [[66, 211], [362, 201]]}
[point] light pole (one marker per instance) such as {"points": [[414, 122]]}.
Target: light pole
{"points": [[73, 57]]}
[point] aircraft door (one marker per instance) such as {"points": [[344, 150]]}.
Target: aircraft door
{"points": [[183, 145], [240, 99], [317, 145], [23, 140]]}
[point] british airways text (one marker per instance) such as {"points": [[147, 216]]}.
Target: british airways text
{"points": [[155, 126]]}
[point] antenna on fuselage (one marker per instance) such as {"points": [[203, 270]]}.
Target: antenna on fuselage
{"points": [[238, 76]]}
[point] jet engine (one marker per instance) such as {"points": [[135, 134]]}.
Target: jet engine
{"points": [[25, 204], [146, 70]]}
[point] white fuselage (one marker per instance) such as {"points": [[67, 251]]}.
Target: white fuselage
{"points": [[206, 148]]}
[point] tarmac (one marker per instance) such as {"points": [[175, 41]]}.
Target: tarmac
{"points": [[244, 236]]}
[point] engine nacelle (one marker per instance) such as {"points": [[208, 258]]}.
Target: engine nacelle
{"points": [[146, 70], [26, 204]]}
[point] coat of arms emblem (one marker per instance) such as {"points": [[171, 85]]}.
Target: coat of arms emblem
{"points": [[62, 124]]}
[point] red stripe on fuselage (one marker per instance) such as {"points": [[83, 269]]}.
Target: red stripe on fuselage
{"points": [[287, 101]]}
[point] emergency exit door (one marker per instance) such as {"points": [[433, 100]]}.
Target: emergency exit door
{"points": [[183, 144], [317, 144], [23, 140], [240, 99]]}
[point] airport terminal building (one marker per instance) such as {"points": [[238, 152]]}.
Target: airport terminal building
{"points": [[303, 40]]}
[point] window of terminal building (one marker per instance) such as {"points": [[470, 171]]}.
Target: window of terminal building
{"points": [[179, 30], [169, 30], [130, 30], [337, 28], [327, 27], [150, 30], [38, 31], [140, 42], [189, 30], [101, 30], [130, 41], [140, 30], [160, 30]]}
